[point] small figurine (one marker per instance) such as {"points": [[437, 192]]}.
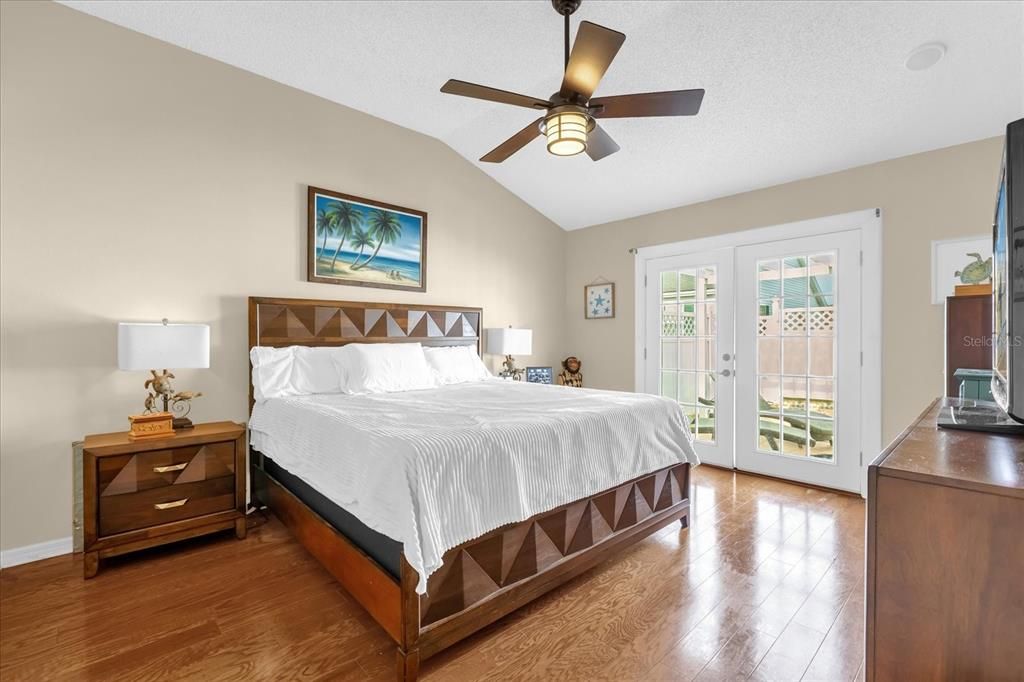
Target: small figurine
{"points": [[161, 384], [571, 374], [510, 370], [150, 403], [181, 405]]}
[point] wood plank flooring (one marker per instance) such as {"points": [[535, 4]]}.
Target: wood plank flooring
{"points": [[767, 584]]}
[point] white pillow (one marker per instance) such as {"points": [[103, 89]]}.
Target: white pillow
{"points": [[294, 370], [455, 364], [314, 370], [384, 368], [271, 372]]}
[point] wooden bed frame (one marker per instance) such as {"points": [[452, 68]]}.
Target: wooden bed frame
{"points": [[489, 576]]}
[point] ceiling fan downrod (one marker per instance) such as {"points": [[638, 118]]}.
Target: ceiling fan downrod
{"points": [[565, 8]]}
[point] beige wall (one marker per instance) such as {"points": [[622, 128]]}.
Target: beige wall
{"points": [[937, 195], [140, 181]]}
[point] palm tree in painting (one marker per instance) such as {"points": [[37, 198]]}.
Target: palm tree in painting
{"points": [[385, 228], [362, 239], [346, 218], [325, 225]]}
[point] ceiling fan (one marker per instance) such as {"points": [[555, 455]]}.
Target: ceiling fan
{"points": [[569, 122]]}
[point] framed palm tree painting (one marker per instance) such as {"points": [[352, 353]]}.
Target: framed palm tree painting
{"points": [[366, 243]]}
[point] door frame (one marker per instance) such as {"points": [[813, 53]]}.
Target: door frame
{"points": [[869, 223]]}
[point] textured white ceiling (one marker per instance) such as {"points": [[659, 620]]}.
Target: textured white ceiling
{"points": [[794, 89]]}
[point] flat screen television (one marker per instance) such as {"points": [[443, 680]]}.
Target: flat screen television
{"points": [[1008, 278]]}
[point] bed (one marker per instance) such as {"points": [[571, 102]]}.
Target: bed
{"points": [[445, 509]]}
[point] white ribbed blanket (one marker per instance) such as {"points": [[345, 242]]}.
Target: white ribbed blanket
{"points": [[435, 468]]}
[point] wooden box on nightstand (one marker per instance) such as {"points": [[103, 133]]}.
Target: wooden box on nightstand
{"points": [[143, 493]]}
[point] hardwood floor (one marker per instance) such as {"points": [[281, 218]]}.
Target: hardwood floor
{"points": [[767, 584]]}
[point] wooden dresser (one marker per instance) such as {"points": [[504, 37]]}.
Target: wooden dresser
{"points": [[945, 556], [968, 336], [142, 493]]}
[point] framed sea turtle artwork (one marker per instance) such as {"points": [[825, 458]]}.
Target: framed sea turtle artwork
{"points": [[599, 301], [960, 262], [366, 243]]}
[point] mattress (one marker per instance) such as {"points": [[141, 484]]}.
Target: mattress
{"points": [[432, 469]]}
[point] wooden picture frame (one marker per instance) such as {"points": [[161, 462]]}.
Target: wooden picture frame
{"points": [[336, 221], [599, 301], [539, 375]]}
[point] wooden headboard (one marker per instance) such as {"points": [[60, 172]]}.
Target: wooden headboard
{"points": [[312, 322]]}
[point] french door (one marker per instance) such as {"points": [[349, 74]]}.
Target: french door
{"points": [[690, 348], [760, 346], [798, 318]]}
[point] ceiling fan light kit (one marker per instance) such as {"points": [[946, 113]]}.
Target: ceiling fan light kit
{"points": [[566, 129], [569, 123]]}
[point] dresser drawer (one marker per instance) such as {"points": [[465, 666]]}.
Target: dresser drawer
{"points": [[166, 503], [134, 473]]}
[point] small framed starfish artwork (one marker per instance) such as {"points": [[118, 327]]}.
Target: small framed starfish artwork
{"points": [[599, 301]]}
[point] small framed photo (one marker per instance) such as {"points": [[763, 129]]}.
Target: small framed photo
{"points": [[599, 301], [538, 375]]}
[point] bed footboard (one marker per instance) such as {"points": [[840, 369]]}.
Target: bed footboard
{"points": [[492, 575]]}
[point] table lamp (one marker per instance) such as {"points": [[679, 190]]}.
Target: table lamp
{"points": [[508, 342], [151, 345]]}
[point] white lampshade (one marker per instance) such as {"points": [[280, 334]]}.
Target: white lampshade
{"points": [[156, 345], [508, 341]]}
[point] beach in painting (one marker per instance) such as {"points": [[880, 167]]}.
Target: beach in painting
{"points": [[363, 243], [382, 270]]}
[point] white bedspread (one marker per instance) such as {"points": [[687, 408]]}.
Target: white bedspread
{"points": [[435, 468]]}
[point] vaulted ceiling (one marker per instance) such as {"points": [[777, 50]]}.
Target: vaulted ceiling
{"points": [[794, 89]]}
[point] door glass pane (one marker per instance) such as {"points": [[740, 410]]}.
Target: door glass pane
{"points": [[669, 385], [768, 354], [670, 354], [670, 320], [687, 285], [705, 407], [669, 285], [706, 358], [768, 283], [796, 356], [706, 284], [687, 351], [688, 388], [688, 319], [688, 360]]}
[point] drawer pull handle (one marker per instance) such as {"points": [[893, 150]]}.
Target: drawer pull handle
{"points": [[170, 505], [170, 467]]}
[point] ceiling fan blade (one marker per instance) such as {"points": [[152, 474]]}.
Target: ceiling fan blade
{"points": [[457, 87], [513, 144], [600, 144], [669, 103], [594, 49]]}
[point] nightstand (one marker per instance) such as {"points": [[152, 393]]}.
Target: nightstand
{"points": [[142, 493]]}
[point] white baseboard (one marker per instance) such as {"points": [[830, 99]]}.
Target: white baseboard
{"points": [[41, 550]]}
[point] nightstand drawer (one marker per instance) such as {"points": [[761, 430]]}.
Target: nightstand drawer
{"points": [[131, 511], [134, 473]]}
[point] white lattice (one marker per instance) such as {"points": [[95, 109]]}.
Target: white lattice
{"points": [[821, 319], [797, 320], [794, 320]]}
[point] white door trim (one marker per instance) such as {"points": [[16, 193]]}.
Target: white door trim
{"points": [[869, 222]]}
